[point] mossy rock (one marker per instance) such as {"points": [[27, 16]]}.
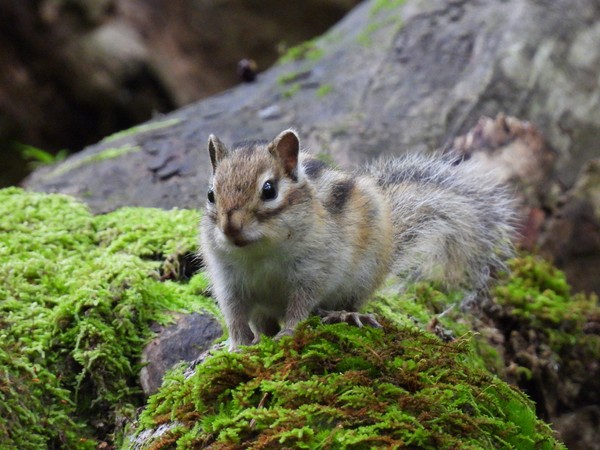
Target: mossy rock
{"points": [[78, 296], [551, 337], [338, 386]]}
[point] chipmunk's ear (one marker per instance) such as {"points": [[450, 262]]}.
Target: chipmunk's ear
{"points": [[285, 147], [217, 151]]}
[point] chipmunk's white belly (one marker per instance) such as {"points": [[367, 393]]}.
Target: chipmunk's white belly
{"points": [[264, 284]]}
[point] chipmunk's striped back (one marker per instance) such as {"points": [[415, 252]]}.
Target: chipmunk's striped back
{"points": [[452, 222]]}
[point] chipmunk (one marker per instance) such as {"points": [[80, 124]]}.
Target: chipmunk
{"points": [[284, 236]]}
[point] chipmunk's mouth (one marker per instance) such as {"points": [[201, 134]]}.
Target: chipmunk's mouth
{"points": [[240, 239], [241, 242]]}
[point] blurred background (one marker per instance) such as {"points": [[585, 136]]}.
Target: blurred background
{"points": [[75, 71]]}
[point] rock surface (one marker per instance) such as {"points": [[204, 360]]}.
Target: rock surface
{"points": [[390, 77], [74, 71], [183, 340]]}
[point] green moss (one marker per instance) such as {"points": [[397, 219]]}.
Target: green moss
{"points": [[365, 36], [423, 306], [342, 387], [540, 294], [537, 298], [383, 13], [548, 344], [288, 78], [534, 301], [324, 90], [291, 90], [77, 299], [382, 5], [79, 293], [426, 307], [308, 50], [109, 153], [145, 232], [113, 152], [32, 401], [142, 129], [416, 305]]}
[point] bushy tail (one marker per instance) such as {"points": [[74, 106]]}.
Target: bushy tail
{"points": [[453, 224]]}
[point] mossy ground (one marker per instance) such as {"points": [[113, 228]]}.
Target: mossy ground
{"points": [[338, 386], [79, 293], [551, 337], [77, 299], [403, 387]]}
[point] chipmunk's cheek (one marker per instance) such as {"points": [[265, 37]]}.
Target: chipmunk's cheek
{"points": [[249, 237], [276, 233]]}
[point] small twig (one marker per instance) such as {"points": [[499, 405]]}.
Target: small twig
{"points": [[261, 404]]}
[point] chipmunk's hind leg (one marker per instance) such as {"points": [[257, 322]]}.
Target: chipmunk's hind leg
{"points": [[350, 317]]}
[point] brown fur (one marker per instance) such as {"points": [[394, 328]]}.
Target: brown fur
{"points": [[327, 239]]}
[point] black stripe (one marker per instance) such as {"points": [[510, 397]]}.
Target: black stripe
{"points": [[340, 194], [313, 168]]}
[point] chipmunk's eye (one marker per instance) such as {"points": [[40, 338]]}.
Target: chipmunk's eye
{"points": [[211, 195], [268, 190]]}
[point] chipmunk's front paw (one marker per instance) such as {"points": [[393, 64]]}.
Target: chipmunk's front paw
{"points": [[284, 332], [352, 318]]}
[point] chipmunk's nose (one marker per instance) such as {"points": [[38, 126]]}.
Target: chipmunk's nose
{"points": [[232, 226], [231, 230]]}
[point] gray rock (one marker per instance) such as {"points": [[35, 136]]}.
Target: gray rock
{"points": [[387, 79], [74, 71], [145, 439], [182, 340]]}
